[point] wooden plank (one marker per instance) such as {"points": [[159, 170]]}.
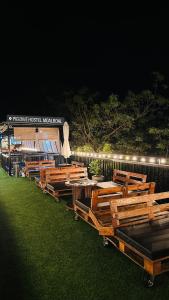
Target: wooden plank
{"points": [[142, 211], [66, 169], [148, 266], [140, 199], [121, 246], [63, 177], [110, 190]]}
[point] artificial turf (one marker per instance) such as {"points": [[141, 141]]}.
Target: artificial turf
{"points": [[46, 255]]}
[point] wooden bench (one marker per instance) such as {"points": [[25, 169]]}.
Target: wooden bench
{"points": [[100, 201], [123, 178], [128, 178], [96, 211], [141, 232], [40, 180], [135, 226], [32, 168], [55, 180]]}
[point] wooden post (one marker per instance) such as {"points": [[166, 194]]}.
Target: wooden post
{"points": [[9, 151]]}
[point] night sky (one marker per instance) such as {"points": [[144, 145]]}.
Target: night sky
{"points": [[46, 50]]}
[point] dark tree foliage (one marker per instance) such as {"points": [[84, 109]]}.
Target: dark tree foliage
{"points": [[136, 124]]}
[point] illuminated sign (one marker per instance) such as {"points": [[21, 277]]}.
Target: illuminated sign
{"points": [[35, 120]]}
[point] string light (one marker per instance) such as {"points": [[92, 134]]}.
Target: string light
{"points": [[152, 160], [163, 161], [114, 156]]}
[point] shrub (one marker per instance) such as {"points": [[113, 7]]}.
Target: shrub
{"points": [[95, 167], [107, 148], [85, 148]]}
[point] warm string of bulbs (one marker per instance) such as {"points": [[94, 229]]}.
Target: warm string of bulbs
{"points": [[134, 158]]}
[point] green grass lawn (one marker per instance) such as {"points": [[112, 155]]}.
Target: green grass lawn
{"points": [[45, 254]]}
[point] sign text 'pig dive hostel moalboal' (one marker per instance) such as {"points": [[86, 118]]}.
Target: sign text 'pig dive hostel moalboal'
{"points": [[35, 120], [31, 134]]}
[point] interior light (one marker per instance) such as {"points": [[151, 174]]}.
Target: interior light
{"points": [[29, 149]]}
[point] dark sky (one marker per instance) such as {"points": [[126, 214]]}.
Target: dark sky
{"points": [[46, 50]]}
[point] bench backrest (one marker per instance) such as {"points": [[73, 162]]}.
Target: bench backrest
{"points": [[62, 174], [127, 178], [101, 198], [140, 189], [137, 210], [31, 165]]}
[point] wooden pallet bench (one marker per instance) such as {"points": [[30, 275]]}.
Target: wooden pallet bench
{"points": [[87, 209], [55, 180], [124, 178], [135, 226], [128, 178], [32, 168], [40, 180], [141, 232], [96, 211]]}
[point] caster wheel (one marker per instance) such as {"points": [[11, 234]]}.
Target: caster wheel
{"points": [[149, 283], [148, 280], [105, 242]]}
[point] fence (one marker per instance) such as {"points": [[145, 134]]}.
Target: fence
{"points": [[8, 162], [155, 172]]}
